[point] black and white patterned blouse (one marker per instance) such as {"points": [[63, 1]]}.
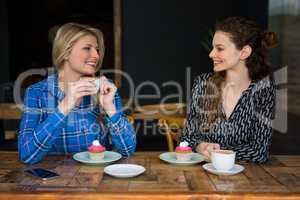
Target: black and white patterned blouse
{"points": [[248, 130]]}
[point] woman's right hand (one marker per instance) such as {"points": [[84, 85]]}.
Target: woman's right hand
{"points": [[206, 148], [74, 92]]}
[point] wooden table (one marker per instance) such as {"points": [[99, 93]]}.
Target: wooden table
{"points": [[278, 179], [158, 111], [8, 111]]}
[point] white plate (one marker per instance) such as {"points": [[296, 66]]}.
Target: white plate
{"points": [[109, 156], [124, 170], [170, 157], [236, 169]]}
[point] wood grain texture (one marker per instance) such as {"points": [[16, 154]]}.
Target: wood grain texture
{"points": [[10, 111], [277, 179]]}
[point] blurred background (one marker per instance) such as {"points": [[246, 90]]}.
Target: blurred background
{"points": [[153, 41]]}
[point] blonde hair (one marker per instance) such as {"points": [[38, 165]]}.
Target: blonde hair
{"points": [[67, 35]]}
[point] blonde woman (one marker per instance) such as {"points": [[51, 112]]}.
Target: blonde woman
{"points": [[60, 115]]}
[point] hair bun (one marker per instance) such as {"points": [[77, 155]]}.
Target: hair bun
{"points": [[269, 39]]}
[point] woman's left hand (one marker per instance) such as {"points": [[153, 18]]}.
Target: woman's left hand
{"points": [[106, 96], [205, 148]]}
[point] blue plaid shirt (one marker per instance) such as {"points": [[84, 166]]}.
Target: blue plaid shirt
{"points": [[45, 130]]}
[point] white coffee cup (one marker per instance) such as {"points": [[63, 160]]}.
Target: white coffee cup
{"points": [[97, 83], [223, 160], [93, 79]]}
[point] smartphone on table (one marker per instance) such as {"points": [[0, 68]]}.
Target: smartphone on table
{"points": [[41, 173]]}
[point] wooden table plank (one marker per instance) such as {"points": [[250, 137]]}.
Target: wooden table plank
{"points": [[290, 160], [278, 179], [199, 181], [10, 111], [261, 181], [146, 196], [286, 176]]}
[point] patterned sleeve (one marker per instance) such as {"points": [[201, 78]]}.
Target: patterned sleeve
{"points": [[121, 131], [257, 150], [191, 133], [36, 135]]}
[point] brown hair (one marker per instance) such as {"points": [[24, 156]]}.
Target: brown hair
{"points": [[243, 32]]}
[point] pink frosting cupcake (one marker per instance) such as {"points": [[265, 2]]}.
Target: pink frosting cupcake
{"points": [[96, 151], [183, 152]]}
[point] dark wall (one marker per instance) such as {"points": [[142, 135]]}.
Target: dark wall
{"points": [[30, 22], [4, 47], [161, 39]]}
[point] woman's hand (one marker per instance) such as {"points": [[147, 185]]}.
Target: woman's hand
{"points": [[106, 96], [206, 148], [74, 93]]}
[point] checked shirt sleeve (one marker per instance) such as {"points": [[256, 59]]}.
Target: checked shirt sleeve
{"points": [[36, 134], [121, 131]]}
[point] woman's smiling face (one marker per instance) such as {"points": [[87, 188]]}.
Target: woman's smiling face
{"points": [[224, 54], [84, 56]]}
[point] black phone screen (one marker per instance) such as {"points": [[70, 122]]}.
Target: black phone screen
{"points": [[42, 173]]}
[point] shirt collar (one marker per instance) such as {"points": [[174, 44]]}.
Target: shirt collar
{"points": [[52, 87]]}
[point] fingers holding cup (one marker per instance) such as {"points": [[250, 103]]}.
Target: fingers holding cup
{"points": [[107, 94]]}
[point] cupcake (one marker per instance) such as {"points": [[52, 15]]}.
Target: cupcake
{"points": [[96, 151], [183, 152]]}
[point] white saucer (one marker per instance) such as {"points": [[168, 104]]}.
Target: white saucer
{"points": [[170, 157], [124, 170], [236, 169], [109, 156]]}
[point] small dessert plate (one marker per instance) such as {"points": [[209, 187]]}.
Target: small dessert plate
{"points": [[235, 170], [170, 157], [124, 170], [109, 157]]}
